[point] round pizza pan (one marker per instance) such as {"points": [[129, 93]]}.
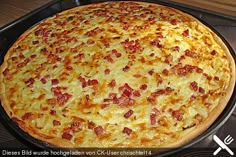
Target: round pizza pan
{"points": [[34, 143]]}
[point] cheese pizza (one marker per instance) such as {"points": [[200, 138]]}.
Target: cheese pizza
{"points": [[117, 74]]}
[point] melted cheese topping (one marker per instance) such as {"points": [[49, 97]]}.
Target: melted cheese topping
{"points": [[116, 74]]}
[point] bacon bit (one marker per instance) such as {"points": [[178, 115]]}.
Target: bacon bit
{"points": [[116, 53], [186, 33], [126, 68], [205, 96], [67, 130], [79, 56], [156, 111], [181, 58], [111, 19], [56, 123], [126, 93], [194, 85], [52, 101], [201, 90], [142, 59], [176, 48], [183, 70], [127, 87], [143, 87], [128, 114], [94, 31], [111, 97], [86, 22], [156, 43], [189, 68], [107, 71], [92, 82], [70, 18], [6, 71], [40, 32], [190, 53], [20, 65], [27, 115], [168, 90], [83, 81], [43, 80], [199, 70], [127, 130], [45, 108], [216, 78], [44, 51], [152, 54], [98, 130], [152, 98], [91, 125], [63, 98], [154, 95], [112, 84], [160, 92], [73, 39], [13, 58], [35, 42], [67, 136], [76, 126], [214, 52], [90, 41], [168, 59], [29, 82], [136, 93], [137, 75], [177, 115], [69, 68], [151, 20], [207, 76], [109, 58], [153, 119], [174, 22], [55, 81], [159, 35], [143, 15], [151, 72], [104, 106], [165, 72], [125, 26], [33, 56], [133, 45], [21, 56], [73, 50], [101, 13], [53, 112], [132, 57], [193, 97], [59, 50], [124, 101]]}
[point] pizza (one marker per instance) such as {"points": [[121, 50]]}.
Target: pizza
{"points": [[117, 74]]}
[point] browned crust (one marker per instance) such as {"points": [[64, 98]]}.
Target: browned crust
{"points": [[185, 137]]}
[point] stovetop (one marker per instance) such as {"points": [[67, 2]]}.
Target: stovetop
{"points": [[226, 26]]}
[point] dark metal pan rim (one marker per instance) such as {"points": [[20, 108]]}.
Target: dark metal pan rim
{"points": [[223, 117]]}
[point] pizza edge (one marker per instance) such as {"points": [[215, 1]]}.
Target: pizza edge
{"points": [[195, 131], [185, 137]]}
